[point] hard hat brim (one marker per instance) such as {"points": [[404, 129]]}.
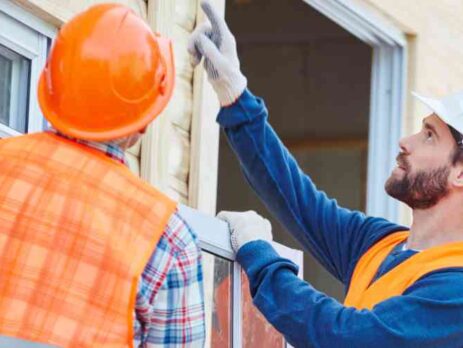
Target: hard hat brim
{"points": [[436, 106]]}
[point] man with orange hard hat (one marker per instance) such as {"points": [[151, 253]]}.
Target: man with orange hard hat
{"points": [[90, 255]]}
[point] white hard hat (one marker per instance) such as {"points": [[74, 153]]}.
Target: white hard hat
{"points": [[449, 108]]}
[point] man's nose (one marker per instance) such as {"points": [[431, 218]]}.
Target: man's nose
{"points": [[404, 145]]}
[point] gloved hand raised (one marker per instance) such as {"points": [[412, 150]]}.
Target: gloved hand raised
{"points": [[216, 44], [246, 227]]}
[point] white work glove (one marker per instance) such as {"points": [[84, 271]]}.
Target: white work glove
{"points": [[246, 227], [216, 44]]}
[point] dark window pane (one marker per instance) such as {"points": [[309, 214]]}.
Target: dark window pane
{"points": [[14, 89], [5, 89]]}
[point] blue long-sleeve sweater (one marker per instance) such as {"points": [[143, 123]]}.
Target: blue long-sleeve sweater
{"points": [[428, 314]]}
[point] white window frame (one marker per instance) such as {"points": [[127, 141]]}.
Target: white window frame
{"points": [[28, 36], [214, 237], [388, 92]]}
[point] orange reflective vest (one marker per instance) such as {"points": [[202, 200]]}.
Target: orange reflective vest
{"points": [[363, 294], [76, 231]]}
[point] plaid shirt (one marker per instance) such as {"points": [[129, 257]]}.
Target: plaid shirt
{"points": [[169, 310]]}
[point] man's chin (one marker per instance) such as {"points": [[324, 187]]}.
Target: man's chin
{"points": [[397, 177], [394, 186], [420, 191]]}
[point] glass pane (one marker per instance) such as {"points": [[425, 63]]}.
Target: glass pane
{"points": [[218, 300], [6, 67], [14, 89], [257, 332]]}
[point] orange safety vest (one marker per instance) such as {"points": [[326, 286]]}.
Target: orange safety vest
{"points": [[76, 231], [363, 294]]}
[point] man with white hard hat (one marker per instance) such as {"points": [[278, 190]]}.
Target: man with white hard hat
{"points": [[404, 285]]}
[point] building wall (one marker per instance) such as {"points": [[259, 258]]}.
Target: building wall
{"points": [[435, 38]]}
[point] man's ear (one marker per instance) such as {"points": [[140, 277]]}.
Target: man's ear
{"points": [[456, 176]]}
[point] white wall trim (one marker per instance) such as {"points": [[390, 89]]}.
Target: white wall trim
{"points": [[360, 21], [154, 155], [237, 308], [6, 131], [35, 123], [22, 15], [388, 88]]}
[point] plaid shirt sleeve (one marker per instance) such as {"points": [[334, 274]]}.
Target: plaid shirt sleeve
{"points": [[170, 301]]}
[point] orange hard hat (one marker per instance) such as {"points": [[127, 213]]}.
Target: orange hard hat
{"points": [[108, 75]]}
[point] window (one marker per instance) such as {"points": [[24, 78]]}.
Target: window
{"points": [[24, 44], [231, 318], [14, 85]]}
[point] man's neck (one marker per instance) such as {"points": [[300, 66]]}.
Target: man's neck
{"points": [[438, 225]]}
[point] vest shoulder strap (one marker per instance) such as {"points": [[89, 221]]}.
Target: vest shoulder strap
{"points": [[364, 294]]}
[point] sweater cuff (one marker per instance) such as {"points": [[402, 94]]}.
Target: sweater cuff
{"points": [[243, 110], [256, 255]]}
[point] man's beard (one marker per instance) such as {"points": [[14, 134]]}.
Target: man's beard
{"points": [[421, 190]]}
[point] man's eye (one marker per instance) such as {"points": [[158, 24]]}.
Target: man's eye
{"points": [[428, 135]]}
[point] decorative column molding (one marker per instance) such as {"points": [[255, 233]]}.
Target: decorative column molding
{"points": [[204, 137], [154, 161]]}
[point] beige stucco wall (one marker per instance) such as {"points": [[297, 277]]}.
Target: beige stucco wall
{"points": [[435, 37]]}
